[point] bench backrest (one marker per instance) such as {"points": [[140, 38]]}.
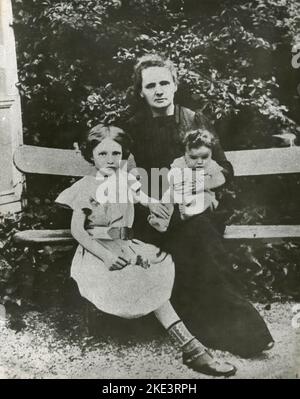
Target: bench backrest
{"points": [[31, 159], [53, 161]]}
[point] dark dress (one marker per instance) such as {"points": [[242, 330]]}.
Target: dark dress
{"points": [[205, 294]]}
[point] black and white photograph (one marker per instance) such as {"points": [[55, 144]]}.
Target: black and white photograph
{"points": [[149, 191]]}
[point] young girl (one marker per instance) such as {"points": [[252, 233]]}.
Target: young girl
{"points": [[120, 275], [192, 179]]}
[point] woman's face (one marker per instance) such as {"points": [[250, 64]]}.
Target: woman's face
{"points": [[197, 158], [158, 88], [107, 156]]}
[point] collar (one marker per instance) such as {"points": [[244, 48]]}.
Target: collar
{"points": [[121, 174], [171, 112], [175, 116], [99, 176], [179, 163]]}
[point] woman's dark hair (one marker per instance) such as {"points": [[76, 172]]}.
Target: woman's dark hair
{"points": [[148, 61], [100, 132], [199, 137]]}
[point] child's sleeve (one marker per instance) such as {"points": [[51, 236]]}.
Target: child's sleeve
{"points": [[175, 179], [75, 197], [214, 168], [134, 183], [214, 175], [134, 189]]}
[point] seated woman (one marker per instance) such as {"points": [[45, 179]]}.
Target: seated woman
{"points": [[205, 293]]}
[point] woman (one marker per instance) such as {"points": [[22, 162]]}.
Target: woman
{"points": [[205, 294]]}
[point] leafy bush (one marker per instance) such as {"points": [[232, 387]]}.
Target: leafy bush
{"points": [[76, 57]]}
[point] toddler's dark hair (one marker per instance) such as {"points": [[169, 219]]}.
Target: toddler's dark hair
{"points": [[100, 132], [199, 137]]}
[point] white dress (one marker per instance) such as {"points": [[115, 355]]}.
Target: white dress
{"points": [[133, 291]]}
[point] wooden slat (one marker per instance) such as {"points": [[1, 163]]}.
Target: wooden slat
{"points": [[41, 160], [231, 232], [262, 232], [268, 161], [53, 161], [44, 237]]}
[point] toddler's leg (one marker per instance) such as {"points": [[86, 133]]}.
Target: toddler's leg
{"points": [[195, 354]]}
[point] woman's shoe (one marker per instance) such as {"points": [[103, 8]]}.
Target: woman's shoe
{"points": [[268, 347], [203, 362]]}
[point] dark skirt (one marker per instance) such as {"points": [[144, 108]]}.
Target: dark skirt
{"points": [[206, 295]]}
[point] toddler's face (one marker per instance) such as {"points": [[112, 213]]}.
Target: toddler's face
{"points": [[197, 158], [107, 156]]}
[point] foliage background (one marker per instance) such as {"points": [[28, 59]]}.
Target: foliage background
{"points": [[75, 60]]}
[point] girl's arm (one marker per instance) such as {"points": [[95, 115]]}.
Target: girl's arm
{"points": [[141, 198], [156, 207], [113, 262]]}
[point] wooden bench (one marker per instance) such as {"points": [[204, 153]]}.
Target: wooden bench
{"points": [[52, 161]]}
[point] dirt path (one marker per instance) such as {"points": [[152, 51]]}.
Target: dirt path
{"points": [[44, 350]]}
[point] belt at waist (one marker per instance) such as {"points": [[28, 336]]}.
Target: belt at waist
{"points": [[111, 233]]}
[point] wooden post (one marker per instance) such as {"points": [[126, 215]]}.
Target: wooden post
{"points": [[11, 181]]}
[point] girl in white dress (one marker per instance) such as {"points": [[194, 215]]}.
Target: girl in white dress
{"points": [[120, 275]]}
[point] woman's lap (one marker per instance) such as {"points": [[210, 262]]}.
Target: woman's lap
{"points": [[205, 293]]}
